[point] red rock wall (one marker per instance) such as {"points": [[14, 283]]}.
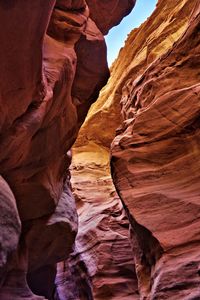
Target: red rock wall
{"points": [[107, 14], [53, 65], [155, 165], [101, 266], [152, 96]]}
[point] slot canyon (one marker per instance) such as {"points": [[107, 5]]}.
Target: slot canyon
{"points": [[99, 168]]}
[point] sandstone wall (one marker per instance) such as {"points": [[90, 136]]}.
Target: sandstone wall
{"points": [[52, 67], [152, 99], [155, 156]]}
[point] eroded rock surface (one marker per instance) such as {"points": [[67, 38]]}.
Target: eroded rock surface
{"points": [[152, 97], [48, 82], [155, 159], [48, 49], [101, 266], [107, 14]]}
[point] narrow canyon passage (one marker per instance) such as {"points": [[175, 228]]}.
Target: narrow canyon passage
{"points": [[125, 224], [144, 161], [102, 265]]}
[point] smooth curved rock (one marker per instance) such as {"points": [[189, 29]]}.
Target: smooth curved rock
{"points": [[45, 46], [55, 231], [155, 155], [107, 14]]}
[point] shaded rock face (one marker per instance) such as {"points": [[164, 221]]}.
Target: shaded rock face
{"points": [[10, 225], [48, 82], [101, 266], [107, 14]]}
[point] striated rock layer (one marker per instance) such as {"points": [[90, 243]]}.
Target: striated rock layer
{"points": [[153, 98], [155, 155], [101, 266], [53, 64], [143, 45]]}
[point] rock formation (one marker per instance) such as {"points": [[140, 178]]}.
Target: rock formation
{"points": [[152, 97], [155, 157], [53, 65], [101, 266], [48, 82]]}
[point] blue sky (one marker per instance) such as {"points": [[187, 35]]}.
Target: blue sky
{"points": [[117, 36]]}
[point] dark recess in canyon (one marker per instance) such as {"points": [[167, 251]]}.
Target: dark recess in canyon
{"points": [[139, 237]]}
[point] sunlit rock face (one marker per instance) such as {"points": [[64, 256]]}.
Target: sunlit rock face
{"points": [[152, 97], [53, 65], [143, 45], [155, 155]]}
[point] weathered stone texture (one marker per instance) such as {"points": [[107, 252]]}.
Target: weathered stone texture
{"points": [[155, 159], [48, 49], [101, 266], [152, 97]]}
